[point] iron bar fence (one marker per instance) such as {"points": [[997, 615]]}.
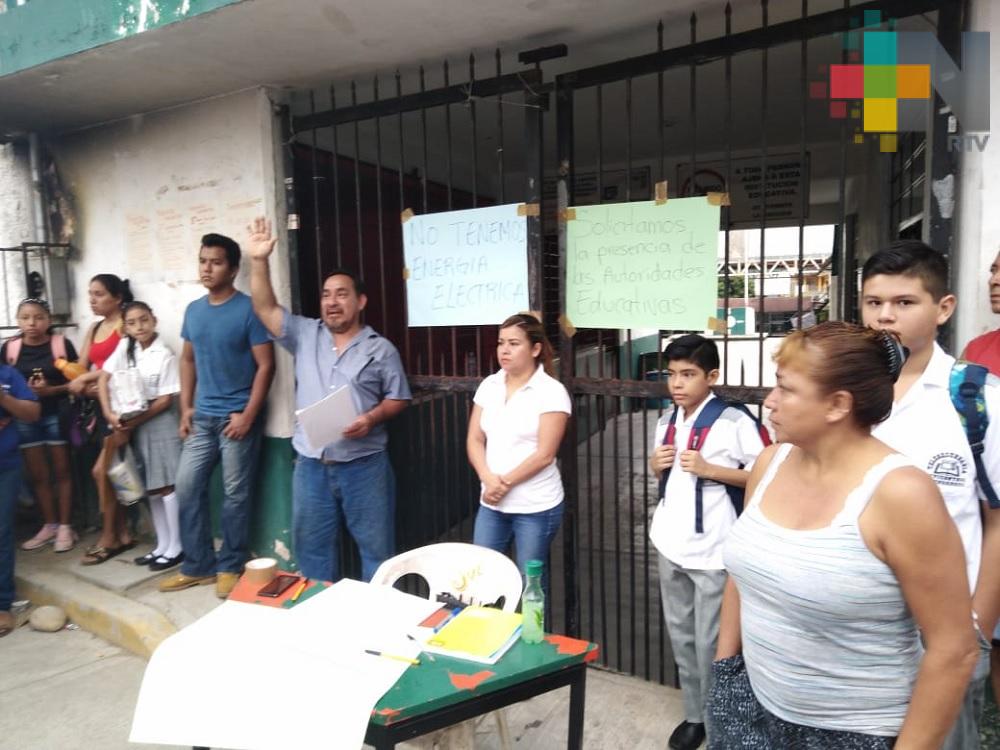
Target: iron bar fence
{"points": [[685, 115]]}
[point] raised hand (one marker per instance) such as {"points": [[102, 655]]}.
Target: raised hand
{"points": [[260, 243]]}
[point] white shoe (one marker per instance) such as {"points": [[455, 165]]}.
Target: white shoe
{"points": [[46, 535], [66, 538]]}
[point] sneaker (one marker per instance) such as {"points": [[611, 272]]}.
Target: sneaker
{"points": [[179, 582], [46, 535], [225, 584], [66, 538]]}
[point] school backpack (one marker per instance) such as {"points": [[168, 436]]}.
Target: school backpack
{"points": [[57, 341], [699, 433], [967, 386]]}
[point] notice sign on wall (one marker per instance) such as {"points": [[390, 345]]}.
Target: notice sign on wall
{"points": [[466, 267], [642, 265], [787, 186]]}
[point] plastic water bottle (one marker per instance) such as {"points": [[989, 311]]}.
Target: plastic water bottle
{"points": [[533, 604]]}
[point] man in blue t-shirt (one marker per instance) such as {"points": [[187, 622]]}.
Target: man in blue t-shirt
{"points": [[17, 401], [226, 369]]}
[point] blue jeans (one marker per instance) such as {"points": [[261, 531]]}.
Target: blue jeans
{"points": [[360, 493], [532, 534], [203, 449], [10, 486]]}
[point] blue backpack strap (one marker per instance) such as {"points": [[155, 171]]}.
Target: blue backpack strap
{"points": [[668, 439], [967, 385], [699, 433]]}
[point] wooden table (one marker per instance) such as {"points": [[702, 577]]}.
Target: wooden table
{"points": [[442, 691], [437, 694]]}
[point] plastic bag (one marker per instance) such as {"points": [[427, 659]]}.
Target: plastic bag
{"points": [[125, 477], [128, 398]]}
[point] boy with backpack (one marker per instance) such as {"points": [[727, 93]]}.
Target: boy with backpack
{"points": [[937, 421], [702, 451]]}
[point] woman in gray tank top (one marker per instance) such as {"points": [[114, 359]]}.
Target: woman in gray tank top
{"points": [[844, 550]]}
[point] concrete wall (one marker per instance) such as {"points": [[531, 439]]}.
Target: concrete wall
{"points": [[16, 222], [979, 192], [15, 195], [37, 32], [146, 189]]}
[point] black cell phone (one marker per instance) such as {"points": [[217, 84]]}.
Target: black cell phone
{"points": [[278, 585]]}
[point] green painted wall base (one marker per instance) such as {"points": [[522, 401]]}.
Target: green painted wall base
{"points": [[271, 518]]}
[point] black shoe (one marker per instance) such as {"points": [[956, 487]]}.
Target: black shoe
{"points": [[145, 559], [687, 736], [163, 563]]}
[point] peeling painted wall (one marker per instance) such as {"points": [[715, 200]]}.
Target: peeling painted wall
{"points": [[38, 31], [146, 189], [15, 224], [15, 195]]}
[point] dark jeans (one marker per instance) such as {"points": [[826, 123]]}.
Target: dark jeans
{"points": [[359, 493], [10, 486], [205, 447]]}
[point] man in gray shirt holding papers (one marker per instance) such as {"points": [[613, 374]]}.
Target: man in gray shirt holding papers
{"points": [[349, 480]]}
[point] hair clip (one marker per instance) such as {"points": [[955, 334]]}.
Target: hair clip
{"points": [[35, 301], [896, 353]]}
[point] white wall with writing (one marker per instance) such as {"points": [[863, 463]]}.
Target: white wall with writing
{"points": [[146, 189], [466, 267]]}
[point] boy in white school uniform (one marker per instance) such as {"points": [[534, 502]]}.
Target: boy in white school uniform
{"points": [[702, 452], [905, 290]]}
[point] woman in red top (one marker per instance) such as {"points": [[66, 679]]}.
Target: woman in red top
{"points": [[108, 294]]}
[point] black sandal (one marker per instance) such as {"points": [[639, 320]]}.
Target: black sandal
{"points": [[101, 554]]}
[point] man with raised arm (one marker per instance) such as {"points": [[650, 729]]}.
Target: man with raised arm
{"points": [[349, 480]]}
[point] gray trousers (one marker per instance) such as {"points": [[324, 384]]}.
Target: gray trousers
{"points": [[692, 600], [965, 734]]}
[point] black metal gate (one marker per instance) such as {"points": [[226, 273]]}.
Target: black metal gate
{"points": [[585, 136]]}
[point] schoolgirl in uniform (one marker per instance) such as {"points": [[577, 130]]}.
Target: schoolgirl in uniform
{"points": [[153, 433]]}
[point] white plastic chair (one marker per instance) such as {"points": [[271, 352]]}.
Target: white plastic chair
{"points": [[472, 574]]}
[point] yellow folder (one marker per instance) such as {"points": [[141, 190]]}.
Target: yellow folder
{"points": [[478, 633]]}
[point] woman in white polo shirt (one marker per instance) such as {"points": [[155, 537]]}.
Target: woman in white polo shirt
{"points": [[518, 420]]}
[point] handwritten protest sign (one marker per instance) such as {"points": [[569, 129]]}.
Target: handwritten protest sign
{"points": [[466, 267], [642, 265]]}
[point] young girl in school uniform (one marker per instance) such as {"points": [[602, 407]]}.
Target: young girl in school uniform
{"points": [[153, 433]]}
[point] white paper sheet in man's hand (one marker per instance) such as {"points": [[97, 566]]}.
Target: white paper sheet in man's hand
{"points": [[325, 421]]}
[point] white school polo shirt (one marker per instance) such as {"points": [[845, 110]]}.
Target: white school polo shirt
{"points": [[732, 442], [156, 364], [925, 427], [511, 429]]}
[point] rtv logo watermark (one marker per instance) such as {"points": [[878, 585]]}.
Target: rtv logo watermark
{"points": [[888, 82]]}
